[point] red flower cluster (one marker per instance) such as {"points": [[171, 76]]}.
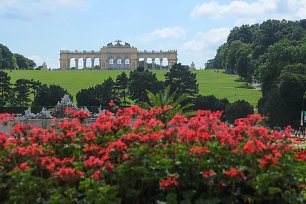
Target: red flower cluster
{"points": [[81, 114], [208, 174], [134, 139], [5, 117], [234, 173], [169, 183]]}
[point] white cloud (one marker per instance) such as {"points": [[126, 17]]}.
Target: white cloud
{"points": [[236, 8], [297, 8], [37, 59], [205, 39], [255, 11], [51, 62], [24, 9], [203, 46], [176, 32]]}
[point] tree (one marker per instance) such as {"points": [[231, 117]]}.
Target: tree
{"points": [[5, 57], [210, 103], [140, 82], [238, 109], [122, 87], [24, 63], [182, 81], [244, 65], [105, 92], [35, 87], [5, 88], [87, 97], [22, 92], [49, 96]]}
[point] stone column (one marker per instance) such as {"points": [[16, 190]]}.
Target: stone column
{"points": [[68, 64], [92, 63], [153, 63], [84, 63], [145, 66], [76, 63], [160, 63]]}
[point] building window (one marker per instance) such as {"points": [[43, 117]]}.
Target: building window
{"points": [[127, 61], [118, 61], [111, 61]]}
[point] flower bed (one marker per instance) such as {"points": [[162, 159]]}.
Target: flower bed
{"points": [[136, 158]]}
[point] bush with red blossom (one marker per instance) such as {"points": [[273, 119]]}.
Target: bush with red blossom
{"points": [[133, 157]]}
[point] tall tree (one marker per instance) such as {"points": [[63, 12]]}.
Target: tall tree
{"points": [[49, 96], [5, 57], [122, 87], [22, 92], [87, 97], [105, 92], [182, 81], [140, 82], [5, 88]]}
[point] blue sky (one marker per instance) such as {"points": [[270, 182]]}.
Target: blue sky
{"points": [[39, 29]]}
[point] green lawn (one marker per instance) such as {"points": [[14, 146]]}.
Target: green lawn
{"points": [[210, 81]]}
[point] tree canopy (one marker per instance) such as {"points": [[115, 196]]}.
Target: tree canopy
{"points": [[9, 60]]}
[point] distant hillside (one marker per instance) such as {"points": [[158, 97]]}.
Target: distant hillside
{"points": [[9, 60], [211, 82]]}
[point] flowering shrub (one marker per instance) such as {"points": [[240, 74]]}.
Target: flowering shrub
{"points": [[133, 157]]}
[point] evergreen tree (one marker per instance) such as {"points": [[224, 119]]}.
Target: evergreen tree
{"points": [[140, 82], [22, 92], [5, 88], [105, 92], [122, 87], [49, 96], [86, 97], [182, 80]]}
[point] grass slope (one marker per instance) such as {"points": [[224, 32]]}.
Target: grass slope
{"points": [[211, 82]]}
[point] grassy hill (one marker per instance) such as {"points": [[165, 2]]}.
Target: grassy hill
{"points": [[211, 82]]}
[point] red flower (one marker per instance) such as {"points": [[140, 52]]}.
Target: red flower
{"points": [[301, 155], [81, 114], [208, 174], [169, 183], [111, 103], [68, 173], [5, 117], [96, 175], [23, 166], [234, 173], [69, 112], [198, 150], [267, 160]]}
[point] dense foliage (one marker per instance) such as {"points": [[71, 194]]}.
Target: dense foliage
{"points": [[11, 61], [133, 157], [231, 111], [182, 81], [25, 92], [272, 53]]}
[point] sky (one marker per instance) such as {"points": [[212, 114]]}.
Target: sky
{"points": [[39, 29]]}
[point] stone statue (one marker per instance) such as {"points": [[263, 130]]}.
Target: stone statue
{"points": [[60, 107], [192, 67], [29, 114], [44, 66], [44, 114]]}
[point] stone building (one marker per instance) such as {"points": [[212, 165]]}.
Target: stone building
{"points": [[117, 56]]}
